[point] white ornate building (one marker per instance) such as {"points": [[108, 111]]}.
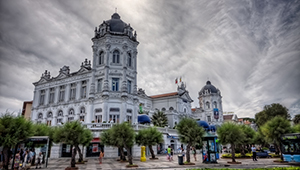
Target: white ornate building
{"points": [[105, 90], [210, 102]]}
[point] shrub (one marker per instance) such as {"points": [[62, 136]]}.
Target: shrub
{"points": [[273, 155], [248, 155], [265, 148]]}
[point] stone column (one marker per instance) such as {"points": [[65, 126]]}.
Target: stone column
{"points": [[135, 73], [105, 109], [78, 88], [106, 69], [47, 91], [135, 110], [36, 98], [90, 112], [123, 111], [56, 94], [54, 121], [67, 92], [92, 79]]}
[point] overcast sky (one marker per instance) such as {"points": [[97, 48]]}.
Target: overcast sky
{"points": [[250, 50]]}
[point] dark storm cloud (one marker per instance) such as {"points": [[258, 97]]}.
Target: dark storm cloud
{"points": [[248, 49]]}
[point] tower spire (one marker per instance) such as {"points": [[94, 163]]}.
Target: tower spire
{"points": [[116, 11]]}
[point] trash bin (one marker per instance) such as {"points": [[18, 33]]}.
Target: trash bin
{"points": [[180, 159]]}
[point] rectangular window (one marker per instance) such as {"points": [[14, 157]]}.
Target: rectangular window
{"points": [[114, 118], [83, 89], [99, 85], [49, 123], [59, 120], [51, 96], [208, 119], [115, 84], [42, 97], [98, 118], [129, 119], [81, 118], [73, 91], [61, 93], [70, 119], [129, 86]]}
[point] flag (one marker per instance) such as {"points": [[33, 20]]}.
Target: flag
{"points": [[176, 81], [180, 79]]}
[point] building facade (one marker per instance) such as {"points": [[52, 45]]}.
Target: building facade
{"points": [[104, 90]]}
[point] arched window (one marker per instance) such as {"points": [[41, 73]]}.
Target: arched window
{"points": [[40, 116], [60, 113], [49, 114], [129, 60], [101, 58], [163, 109], [71, 112], [184, 110], [82, 110], [116, 56], [171, 108], [207, 105], [215, 104]]}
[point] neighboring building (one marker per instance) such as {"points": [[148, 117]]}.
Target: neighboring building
{"points": [[210, 101], [230, 118], [26, 111], [105, 91]]}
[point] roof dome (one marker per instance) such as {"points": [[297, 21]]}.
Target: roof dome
{"points": [[211, 88], [116, 24]]}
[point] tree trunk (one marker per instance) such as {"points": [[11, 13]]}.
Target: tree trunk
{"points": [[122, 155], [233, 152], [80, 154], [6, 157], [278, 148], [129, 155], [151, 151], [242, 148], [188, 149], [73, 162]]}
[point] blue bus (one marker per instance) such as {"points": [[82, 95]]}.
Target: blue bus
{"points": [[290, 147]]}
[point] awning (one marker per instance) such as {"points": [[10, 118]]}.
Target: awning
{"points": [[173, 136]]}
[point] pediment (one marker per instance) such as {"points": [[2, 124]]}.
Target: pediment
{"points": [[61, 76], [41, 81], [185, 96], [83, 70]]}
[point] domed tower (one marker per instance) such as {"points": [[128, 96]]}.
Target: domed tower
{"points": [[210, 101], [114, 78]]}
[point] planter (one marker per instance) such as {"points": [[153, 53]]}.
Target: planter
{"points": [[234, 162], [189, 163], [153, 158], [132, 166], [71, 168]]}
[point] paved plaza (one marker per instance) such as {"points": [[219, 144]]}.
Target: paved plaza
{"points": [[163, 163]]}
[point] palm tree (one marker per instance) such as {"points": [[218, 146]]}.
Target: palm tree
{"points": [[159, 119]]}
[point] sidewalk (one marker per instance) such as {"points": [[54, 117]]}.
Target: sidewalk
{"points": [[162, 163]]}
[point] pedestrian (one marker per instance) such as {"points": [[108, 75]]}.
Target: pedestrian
{"points": [[253, 153], [38, 161], [101, 156], [172, 153], [183, 154], [26, 162], [17, 160], [169, 153], [194, 153]]}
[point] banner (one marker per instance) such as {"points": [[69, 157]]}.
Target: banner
{"points": [[216, 113], [95, 147]]}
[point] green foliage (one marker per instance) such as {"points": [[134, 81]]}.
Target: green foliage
{"points": [[150, 136], [189, 131], [296, 128], [73, 133], [237, 155], [296, 119], [14, 130], [269, 112], [123, 134], [231, 133], [274, 128], [264, 148], [159, 119], [273, 155], [259, 138], [249, 134]]}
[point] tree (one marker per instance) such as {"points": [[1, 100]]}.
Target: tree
{"points": [[231, 133], [124, 135], [159, 119], [248, 139], [149, 137], [269, 112], [13, 130], [273, 130], [296, 119], [190, 133], [259, 138], [296, 128], [73, 133], [108, 139]]}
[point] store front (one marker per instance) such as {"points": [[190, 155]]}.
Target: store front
{"points": [[94, 148]]}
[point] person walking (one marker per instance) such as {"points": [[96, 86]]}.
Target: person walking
{"points": [[101, 157], [194, 153], [26, 160], [172, 154], [169, 152], [253, 153], [17, 160]]}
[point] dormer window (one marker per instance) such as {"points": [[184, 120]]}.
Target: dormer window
{"points": [[101, 58], [116, 56]]}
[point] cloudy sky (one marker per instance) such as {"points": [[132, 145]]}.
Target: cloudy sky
{"points": [[248, 49]]}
